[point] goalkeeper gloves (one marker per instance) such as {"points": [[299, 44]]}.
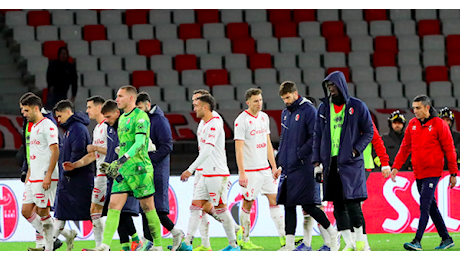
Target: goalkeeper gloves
{"points": [[111, 169], [377, 161], [319, 173]]}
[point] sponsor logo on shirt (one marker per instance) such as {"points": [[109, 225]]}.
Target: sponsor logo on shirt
{"points": [[34, 142], [39, 195], [263, 145], [211, 136], [258, 132], [212, 129], [33, 157]]}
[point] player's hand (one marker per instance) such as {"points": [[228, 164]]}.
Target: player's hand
{"points": [[112, 169], [91, 148], [393, 175], [46, 182], [243, 180], [386, 172], [276, 173], [318, 172], [117, 150], [453, 182], [68, 166], [185, 175], [104, 166]]}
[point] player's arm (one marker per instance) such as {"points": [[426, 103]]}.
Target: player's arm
{"points": [[87, 159], [403, 152], [53, 160], [271, 159], [28, 175], [239, 146], [94, 148], [205, 152]]}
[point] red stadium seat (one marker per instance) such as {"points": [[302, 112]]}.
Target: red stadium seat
{"points": [[207, 16], [436, 73], [237, 30], [37, 18], [136, 16], [428, 27], [453, 58], [143, 78], [216, 77], [149, 47], [332, 29], [338, 44], [304, 15], [384, 59], [286, 29], [260, 61], [189, 31], [4, 11], [453, 43], [375, 14], [386, 43], [345, 72], [279, 15], [94, 32], [246, 46], [185, 62], [50, 49]]}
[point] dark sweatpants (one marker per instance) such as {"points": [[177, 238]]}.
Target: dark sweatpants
{"points": [[290, 219], [126, 227], [429, 208], [164, 220]]}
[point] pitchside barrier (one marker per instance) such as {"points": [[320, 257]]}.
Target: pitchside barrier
{"points": [[391, 208]]}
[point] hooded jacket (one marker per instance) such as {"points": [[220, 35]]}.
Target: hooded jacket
{"points": [[428, 143], [357, 133], [297, 184], [456, 138], [73, 196], [392, 142], [60, 76]]}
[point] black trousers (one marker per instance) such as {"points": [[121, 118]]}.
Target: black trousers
{"points": [[290, 218], [126, 227], [347, 213], [164, 220]]}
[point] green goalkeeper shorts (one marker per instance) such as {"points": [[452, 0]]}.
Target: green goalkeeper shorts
{"points": [[138, 183]]}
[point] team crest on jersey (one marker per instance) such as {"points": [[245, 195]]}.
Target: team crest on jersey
{"points": [[9, 217], [250, 122], [127, 121], [51, 128], [414, 127], [173, 210], [297, 117], [430, 127], [263, 119], [351, 111], [84, 228], [235, 204]]}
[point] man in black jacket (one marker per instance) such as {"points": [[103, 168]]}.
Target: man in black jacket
{"points": [[448, 116], [393, 139]]}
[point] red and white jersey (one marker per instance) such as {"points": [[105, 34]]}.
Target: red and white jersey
{"points": [[212, 133], [43, 134], [100, 139], [253, 130]]}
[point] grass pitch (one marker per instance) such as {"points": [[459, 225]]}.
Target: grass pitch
{"points": [[377, 242]]}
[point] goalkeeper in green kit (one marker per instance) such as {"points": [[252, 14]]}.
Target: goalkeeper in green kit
{"points": [[133, 171]]}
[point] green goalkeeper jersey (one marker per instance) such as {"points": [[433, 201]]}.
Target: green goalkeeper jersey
{"points": [[129, 125]]}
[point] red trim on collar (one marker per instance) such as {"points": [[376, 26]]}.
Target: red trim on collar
{"points": [[39, 121], [251, 114]]}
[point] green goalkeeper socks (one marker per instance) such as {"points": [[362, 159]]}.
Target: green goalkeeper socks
{"points": [[135, 238], [154, 226], [125, 247], [111, 225]]}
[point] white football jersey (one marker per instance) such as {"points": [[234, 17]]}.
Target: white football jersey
{"points": [[100, 139], [212, 133], [43, 134], [253, 130]]}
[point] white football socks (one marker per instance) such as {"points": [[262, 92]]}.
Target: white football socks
{"points": [[278, 218], [246, 223], [48, 229], [204, 230], [290, 242], [307, 230], [193, 223], [229, 226], [325, 235], [348, 238], [98, 228]]}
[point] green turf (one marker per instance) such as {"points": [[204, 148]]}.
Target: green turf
{"points": [[378, 242]]}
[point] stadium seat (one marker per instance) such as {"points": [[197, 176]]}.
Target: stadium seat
{"points": [[453, 43], [413, 89], [185, 62], [135, 62], [425, 14], [433, 43], [30, 48], [23, 33], [160, 16], [456, 88], [229, 105], [237, 30], [87, 63], [344, 70], [240, 92], [204, 16], [455, 75], [50, 49], [445, 101], [307, 29], [40, 81], [359, 59], [216, 77], [15, 18], [332, 29], [37, 18], [390, 90], [314, 44], [265, 76], [244, 45], [375, 14], [159, 62], [70, 32], [220, 46], [440, 89], [453, 58], [292, 74], [117, 32], [213, 30], [433, 58], [428, 27], [338, 44], [110, 63], [324, 15], [304, 15], [136, 16], [396, 102], [409, 43], [367, 89], [196, 46], [240, 77], [380, 28], [167, 78], [260, 61], [364, 74], [210, 61], [255, 15], [37, 64], [270, 95], [400, 14], [285, 60], [449, 14], [374, 103], [94, 78], [235, 61], [450, 27], [291, 45], [189, 31], [404, 27], [174, 93], [383, 58], [110, 17], [279, 15], [349, 15], [180, 106], [154, 93], [62, 17], [165, 31], [362, 43], [78, 48], [173, 46], [231, 16], [143, 78], [357, 28], [436, 73], [410, 73], [309, 60], [223, 92], [386, 43], [267, 45], [386, 74], [125, 47], [313, 75], [86, 17], [192, 77], [94, 32], [142, 31], [181, 16], [285, 29], [118, 78], [334, 59], [315, 90], [149, 48]]}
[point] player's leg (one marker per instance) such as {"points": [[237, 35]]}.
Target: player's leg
{"points": [[48, 229], [270, 189], [290, 226], [356, 217], [324, 234], [145, 228], [123, 232], [148, 206], [177, 234], [97, 204], [250, 193], [43, 200], [321, 218], [117, 201], [307, 233], [204, 231]]}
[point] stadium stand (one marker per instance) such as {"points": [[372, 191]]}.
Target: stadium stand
{"points": [[385, 54]]}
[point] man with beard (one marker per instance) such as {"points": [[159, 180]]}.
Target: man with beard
{"points": [[343, 129], [393, 139]]}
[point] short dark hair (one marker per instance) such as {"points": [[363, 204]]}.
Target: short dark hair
{"points": [[32, 100], [252, 92], [143, 97], [208, 99], [426, 101], [26, 95], [109, 105], [62, 105], [97, 100], [201, 91], [287, 87], [129, 88]]}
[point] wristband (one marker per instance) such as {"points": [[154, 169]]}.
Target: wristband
{"points": [[453, 175]]}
